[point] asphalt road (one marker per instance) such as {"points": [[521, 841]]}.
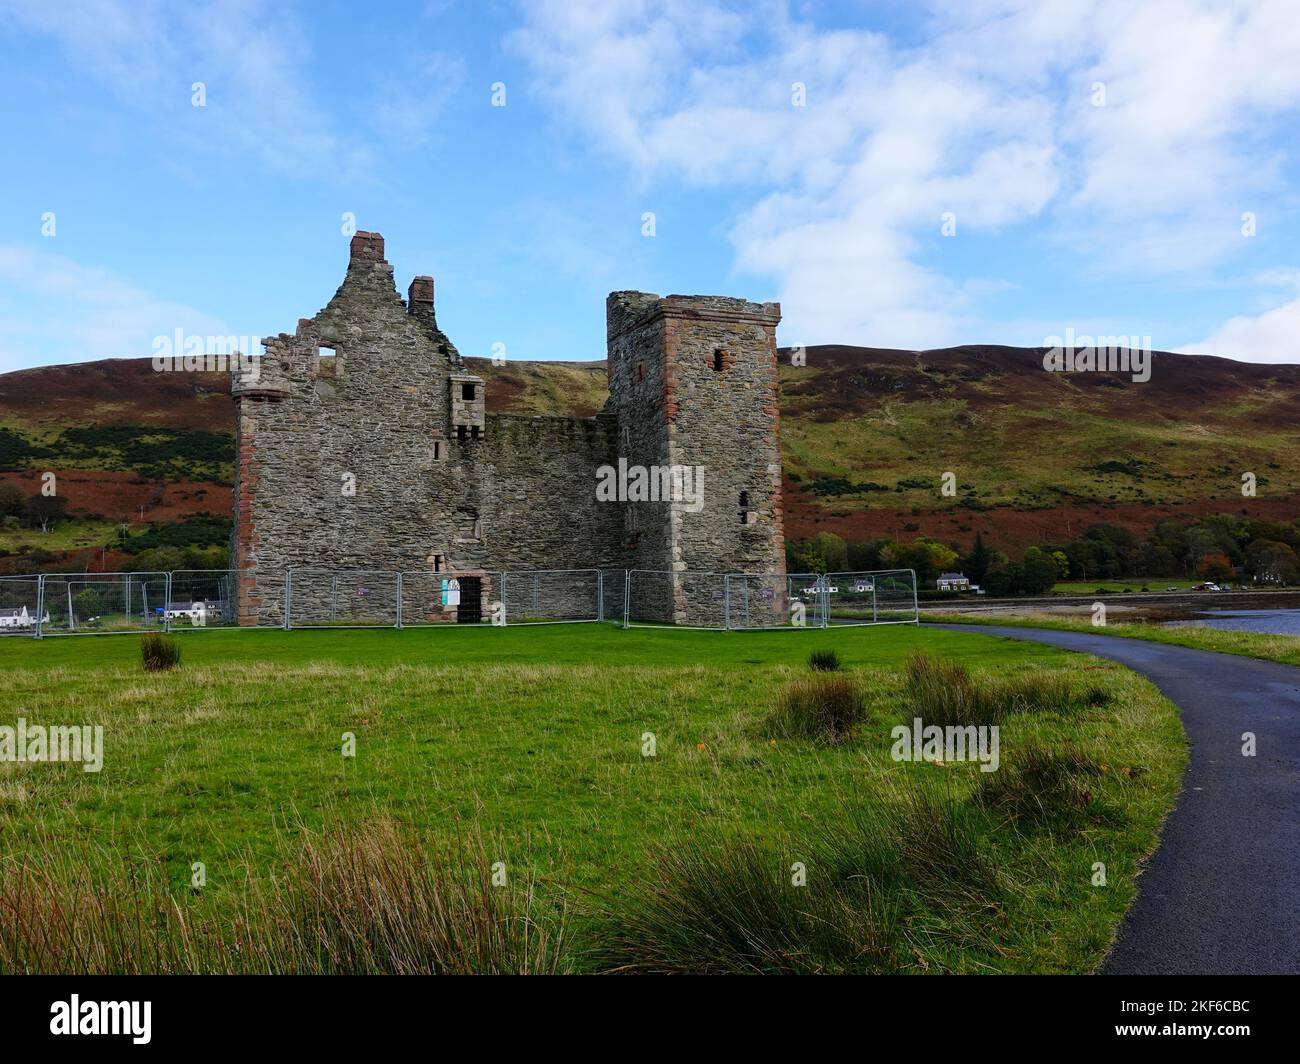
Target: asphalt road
{"points": [[1221, 894]]}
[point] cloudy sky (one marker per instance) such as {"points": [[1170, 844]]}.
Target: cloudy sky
{"points": [[919, 175]]}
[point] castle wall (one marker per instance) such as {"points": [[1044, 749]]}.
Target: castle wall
{"points": [[381, 456], [538, 477], [338, 467]]}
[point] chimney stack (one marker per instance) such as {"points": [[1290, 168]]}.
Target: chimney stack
{"points": [[366, 247], [419, 297]]}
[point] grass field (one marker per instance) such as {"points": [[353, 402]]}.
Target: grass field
{"points": [[533, 739], [1281, 648], [1089, 587]]}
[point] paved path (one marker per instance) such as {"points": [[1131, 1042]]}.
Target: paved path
{"points": [[1221, 894]]}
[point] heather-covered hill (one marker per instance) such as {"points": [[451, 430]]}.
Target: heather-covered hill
{"points": [[867, 435]]}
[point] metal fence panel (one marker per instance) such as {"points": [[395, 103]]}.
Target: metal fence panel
{"points": [[430, 598], [613, 585], [20, 605], [774, 600], [85, 603], [666, 599], [887, 597], [552, 596], [99, 603], [351, 598], [202, 598]]}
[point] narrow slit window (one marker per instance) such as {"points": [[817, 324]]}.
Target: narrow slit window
{"points": [[719, 360], [439, 561], [462, 432]]}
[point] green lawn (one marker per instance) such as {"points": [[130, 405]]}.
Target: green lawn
{"points": [[63, 535], [1089, 587], [534, 735]]}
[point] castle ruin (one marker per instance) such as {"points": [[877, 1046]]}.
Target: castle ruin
{"points": [[363, 444]]}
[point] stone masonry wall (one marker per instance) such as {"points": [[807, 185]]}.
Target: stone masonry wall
{"points": [[363, 445]]}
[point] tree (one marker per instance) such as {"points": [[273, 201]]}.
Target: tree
{"points": [[927, 557], [979, 561], [864, 556], [1271, 562], [1039, 572], [1035, 575], [832, 552], [86, 603], [156, 560], [1216, 567], [824, 553], [44, 510], [1201, 545], [13, 503]]}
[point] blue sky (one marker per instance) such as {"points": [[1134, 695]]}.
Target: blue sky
{"points": [[1111, 167]]}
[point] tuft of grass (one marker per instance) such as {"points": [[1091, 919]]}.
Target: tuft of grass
{"points": [[358, 900], [159, 653], [942, 692], [1042, 786], [875, 874], [826, 660], [824, 707], [57, 916], [945, 693], [1033, 692], [371, 900]]}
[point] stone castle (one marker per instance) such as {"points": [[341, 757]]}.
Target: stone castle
{"points": [[363, 444]]}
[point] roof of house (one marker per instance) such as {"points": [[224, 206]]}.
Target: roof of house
{"points": [[952, 576], [13, 611]]}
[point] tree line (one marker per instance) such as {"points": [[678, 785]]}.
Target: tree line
{"points": [[1220, 548]]}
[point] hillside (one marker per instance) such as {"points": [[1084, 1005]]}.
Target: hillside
{"points": [[866, 433]]}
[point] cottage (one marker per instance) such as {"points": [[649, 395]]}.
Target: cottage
{"points": [[16, 617], [199, 611], [952, 582]]}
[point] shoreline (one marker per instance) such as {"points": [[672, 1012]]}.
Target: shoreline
{"points": [[1138, 608]]}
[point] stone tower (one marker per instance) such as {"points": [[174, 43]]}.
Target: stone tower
{"points": [[693, 385]]}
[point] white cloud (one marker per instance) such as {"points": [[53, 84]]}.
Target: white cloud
{"points": [[55, 310], [251, 57], [1273, 336], [990, 116]]}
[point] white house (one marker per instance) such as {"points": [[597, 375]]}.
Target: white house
{"points": [[16, 617], [952, 582], [199, 611], [20, 617]]}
